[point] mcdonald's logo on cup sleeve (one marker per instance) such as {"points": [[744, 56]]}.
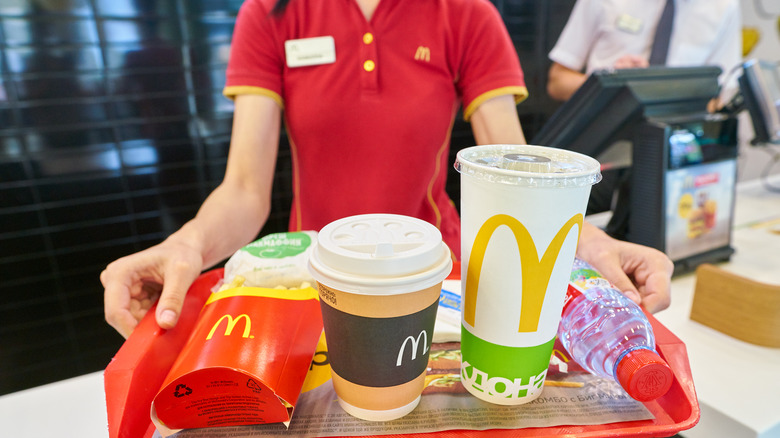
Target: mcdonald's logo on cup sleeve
{"points": [[415, 343]]}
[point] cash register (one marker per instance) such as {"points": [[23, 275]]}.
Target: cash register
{"points": [[679, 160]]}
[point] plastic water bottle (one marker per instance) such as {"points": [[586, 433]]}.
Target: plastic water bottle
{"points": [[608, 335]]}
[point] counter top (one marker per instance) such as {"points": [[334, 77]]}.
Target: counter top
{"points": [[71, 408], [737, 383]]}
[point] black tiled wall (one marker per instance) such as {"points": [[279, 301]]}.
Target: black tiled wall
{"points": [[113, 130]]}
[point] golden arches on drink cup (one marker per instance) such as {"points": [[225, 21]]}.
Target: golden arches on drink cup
{"points": [[536, 273]]}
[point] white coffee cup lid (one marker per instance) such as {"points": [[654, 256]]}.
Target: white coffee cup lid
{"points": [[528, 166], [380, 254]]}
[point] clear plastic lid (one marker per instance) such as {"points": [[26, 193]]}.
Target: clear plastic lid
{"points": [[528, 166]]}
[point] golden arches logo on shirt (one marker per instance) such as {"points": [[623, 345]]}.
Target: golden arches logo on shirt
{"points": [[422, 54], [536, 272]]}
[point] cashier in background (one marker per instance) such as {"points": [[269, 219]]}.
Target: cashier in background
{"points": [[619, 34], [368, 106], [606, 34]]}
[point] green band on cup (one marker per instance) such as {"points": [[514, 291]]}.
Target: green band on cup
{"points": [[500, 372]]}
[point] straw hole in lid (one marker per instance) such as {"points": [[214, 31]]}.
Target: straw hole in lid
{"points": [[526, 163]]}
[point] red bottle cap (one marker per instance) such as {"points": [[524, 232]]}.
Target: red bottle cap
{"points": [[644, 375]]}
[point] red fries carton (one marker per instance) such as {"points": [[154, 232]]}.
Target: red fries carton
{"points": [[245, 362], [139, 368]]}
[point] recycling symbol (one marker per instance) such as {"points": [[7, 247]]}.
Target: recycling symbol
{"points": [[251, 384], [182, 390]]}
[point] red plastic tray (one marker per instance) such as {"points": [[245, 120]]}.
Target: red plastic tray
{"points": [[676, 411], [136, 373]]}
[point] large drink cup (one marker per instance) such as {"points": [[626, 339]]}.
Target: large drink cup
{"points": [[379, 278], [522, 210]]}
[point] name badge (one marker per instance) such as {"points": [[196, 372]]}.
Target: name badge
{"points": [[310, 51], [628, 23]]}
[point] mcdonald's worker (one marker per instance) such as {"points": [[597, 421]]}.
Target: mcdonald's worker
{"points": [[620, 34], [606, 34], [368, 91]]}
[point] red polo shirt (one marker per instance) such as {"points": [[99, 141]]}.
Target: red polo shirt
{"points": [[370, 132]]}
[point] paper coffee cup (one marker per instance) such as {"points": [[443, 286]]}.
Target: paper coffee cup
{"points": [[522, 210], [379, 279]]}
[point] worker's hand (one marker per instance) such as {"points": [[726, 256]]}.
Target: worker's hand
{"points": [[715, 104], [134, 283], [631, 61], [642, 273]]}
